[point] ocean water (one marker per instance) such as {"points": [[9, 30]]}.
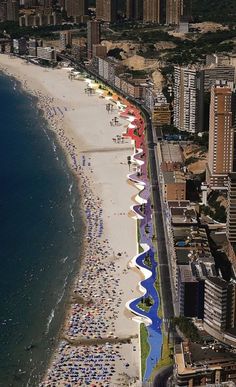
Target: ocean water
{"points": [[41, 233]]}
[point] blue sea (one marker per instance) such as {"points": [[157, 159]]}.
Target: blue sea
{"points": [[40, 237]]}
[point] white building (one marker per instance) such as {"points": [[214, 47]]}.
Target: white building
{"points": [[47, 53], [188, 99]]}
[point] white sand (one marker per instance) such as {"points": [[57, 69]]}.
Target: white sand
{"points": [[87, 124]]}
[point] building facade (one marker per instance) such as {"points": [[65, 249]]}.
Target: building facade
{"points": [[151, 11], [93, 36], [20, 46], [106, 10], [161, 115], [65, 39], [12, 10], [219, 309], [99, 50], [188, 99], [173, 12], [231, 210], [46, 53], [75, 7], [134, 9], [221, 137]]}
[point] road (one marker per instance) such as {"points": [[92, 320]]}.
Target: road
{"points": [[164, 274]]}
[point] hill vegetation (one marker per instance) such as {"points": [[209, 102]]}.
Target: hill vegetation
{"points": [[214, 10]]}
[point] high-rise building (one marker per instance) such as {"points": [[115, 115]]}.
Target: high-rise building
{"points": [[12, 10], [106, 10], [162, 8], [134, 9], [20, 46], [219, 306], [45, 4], [65, 39], [186, 10], [188, 99], [75, 7], [93, 36], [221, 136], [151, 11], [173, 12], [3, 11], [33, 44]]}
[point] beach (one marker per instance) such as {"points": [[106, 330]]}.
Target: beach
{"points": [[99, 344]]}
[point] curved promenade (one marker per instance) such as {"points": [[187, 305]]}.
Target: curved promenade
{"points": [[143, 214]]}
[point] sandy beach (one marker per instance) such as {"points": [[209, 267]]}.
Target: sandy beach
{"points": [[100, 341]]}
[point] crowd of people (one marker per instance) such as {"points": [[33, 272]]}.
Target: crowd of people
{"points": [[90, 353], [86, 356]]}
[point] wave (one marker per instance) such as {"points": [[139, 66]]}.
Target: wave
{"points": [[70, 188], [73, 219], [63, 260], [50, 318], [52, 314], [46, 133], [63, 291], [31, 374], [54, 146]]}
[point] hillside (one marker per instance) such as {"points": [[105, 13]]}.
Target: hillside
{"points": [[215, 10]]}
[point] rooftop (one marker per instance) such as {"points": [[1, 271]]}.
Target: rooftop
{"points": [[171, 152], [183, 215], [186, 274], [173, 177], [219, 282], [192, 357], [178, 203]]}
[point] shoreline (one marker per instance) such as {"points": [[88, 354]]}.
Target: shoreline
{"points": [[82, 181]]}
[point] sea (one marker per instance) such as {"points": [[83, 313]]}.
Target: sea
{"points": [[41, 233]]}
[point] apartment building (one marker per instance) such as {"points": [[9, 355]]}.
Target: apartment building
{"points": [[93, 36], [188, 99], [106, 10], [221, 137], [65, 39], [75, 8], [46, 53], [134, 9], [151, 11], [219, 310], [173, 12]]}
